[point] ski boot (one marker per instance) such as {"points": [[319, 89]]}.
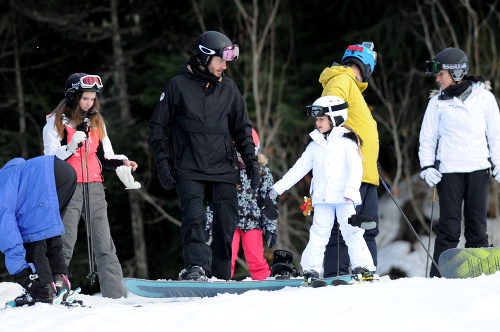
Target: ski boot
{"points": [[310, 276], [23, 299], [361, 273], [193, 272], [282, 265], [62, 283], [26, 298]]}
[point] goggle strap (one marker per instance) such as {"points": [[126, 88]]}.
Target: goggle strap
{"points": [[339, 106]]}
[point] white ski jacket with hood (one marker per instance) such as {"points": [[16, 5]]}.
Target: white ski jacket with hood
{"points": [[336, 165], [461, 131]]}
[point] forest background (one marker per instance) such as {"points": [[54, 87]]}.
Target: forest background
{"points": [[136, 46]]}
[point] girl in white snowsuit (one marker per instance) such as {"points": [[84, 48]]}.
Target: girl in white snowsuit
{"points": [[336, 162]]}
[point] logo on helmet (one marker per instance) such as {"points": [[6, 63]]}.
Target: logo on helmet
{"points": [[455, 66], [206, 50]]}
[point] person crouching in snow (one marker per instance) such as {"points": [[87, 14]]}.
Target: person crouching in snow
{"points": [[334, 155], [34, 196]]}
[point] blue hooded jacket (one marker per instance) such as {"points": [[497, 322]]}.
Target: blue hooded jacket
{"points": [[29, 207]]}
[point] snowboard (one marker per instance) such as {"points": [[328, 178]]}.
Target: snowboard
{"points": [[469, 262], [210, 288]]}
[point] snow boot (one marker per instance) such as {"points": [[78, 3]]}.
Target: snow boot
{"points": [[193, 272]]}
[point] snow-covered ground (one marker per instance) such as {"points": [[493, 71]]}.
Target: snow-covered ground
{"points": [[407, 304]]}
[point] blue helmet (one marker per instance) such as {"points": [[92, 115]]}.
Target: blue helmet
{"points": [[362, 56]]}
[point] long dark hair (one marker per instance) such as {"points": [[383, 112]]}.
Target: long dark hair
{"points": [[76, 114]]}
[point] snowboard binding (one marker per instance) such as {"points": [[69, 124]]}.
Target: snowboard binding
{"points": [[282, 265]]}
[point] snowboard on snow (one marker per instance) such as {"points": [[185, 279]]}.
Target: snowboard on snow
{"points": [[469, 262], [210, 288]]}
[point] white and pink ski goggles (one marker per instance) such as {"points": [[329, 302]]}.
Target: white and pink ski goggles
{"points": [[228, 53]]}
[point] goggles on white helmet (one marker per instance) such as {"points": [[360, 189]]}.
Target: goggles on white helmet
{"points": [[333, 106]]}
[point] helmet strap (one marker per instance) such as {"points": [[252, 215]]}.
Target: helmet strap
{"points": [[338, 120]]}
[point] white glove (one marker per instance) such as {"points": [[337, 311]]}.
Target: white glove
{"points": [[273, 194], [496, 173], [78, 137], [125, 175], [431, 176]]}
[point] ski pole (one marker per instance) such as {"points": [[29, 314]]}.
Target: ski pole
{"points": [[86, 208], [436, 166], [407, 221], [338, 248]]}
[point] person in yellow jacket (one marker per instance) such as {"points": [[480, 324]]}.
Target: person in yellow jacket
{"points": [[348, 80]]}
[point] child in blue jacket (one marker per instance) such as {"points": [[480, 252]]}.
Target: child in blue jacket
{"points": [[33, 195]]}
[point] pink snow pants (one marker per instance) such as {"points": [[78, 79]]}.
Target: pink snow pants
{"points": [[254, 253]]}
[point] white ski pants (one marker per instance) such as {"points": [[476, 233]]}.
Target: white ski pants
{"points": [[319, 234]]}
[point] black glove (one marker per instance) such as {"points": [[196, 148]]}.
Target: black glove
{"points": [[164, 175], [35, 288], [270, 238], [268, 207], [361, 221], [83, 126], [252, 168]]}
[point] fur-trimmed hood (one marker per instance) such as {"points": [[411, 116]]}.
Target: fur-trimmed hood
{"points": [[263, 160]]}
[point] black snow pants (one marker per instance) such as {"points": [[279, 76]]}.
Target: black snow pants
{"points": [[216, 258], [471, 189]]}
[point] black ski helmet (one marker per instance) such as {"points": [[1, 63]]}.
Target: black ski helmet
{"points": [[452, 59], [80, 82], [214, 43]]}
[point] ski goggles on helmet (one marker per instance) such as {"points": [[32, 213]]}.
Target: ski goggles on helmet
{"points": [[228, 53], [315, 111], [433, 67], [89, 81]]}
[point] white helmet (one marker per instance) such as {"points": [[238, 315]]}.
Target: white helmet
{"points": [[333, 106]]}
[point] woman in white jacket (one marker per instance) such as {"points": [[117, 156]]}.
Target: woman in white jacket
{"points": [[334, 155], [459, 143]]}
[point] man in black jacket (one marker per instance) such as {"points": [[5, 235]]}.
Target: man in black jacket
{"points": [[198, 122]]}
